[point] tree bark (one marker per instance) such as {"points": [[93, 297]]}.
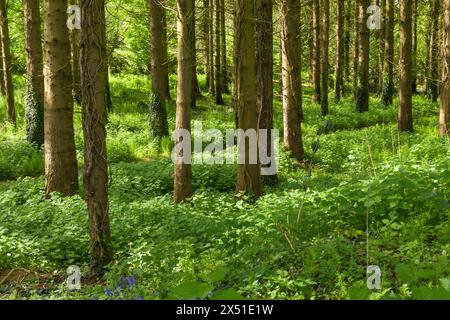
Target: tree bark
{"points": [[414, 46], [347, 42], [356, 46], [7, 72], [212, 86], [61, 171], [362, 88], [248, 175], [315, 64], [205, 38], [264, 73], [34, 107], [388, 64], [159, 60], [444, 118], [434, 53], [405, 117], [183, 171], [195, 88], [339, 85], [93, 79], [75, 53], [292, 86], [218, 67], [223, 47], [325, 32]]}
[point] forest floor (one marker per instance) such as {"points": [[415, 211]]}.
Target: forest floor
{"points": [[290, 244]]}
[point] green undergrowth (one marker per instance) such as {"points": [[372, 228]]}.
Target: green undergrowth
{"points": [[304, 239]]}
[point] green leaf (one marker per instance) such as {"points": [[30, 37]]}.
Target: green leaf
{"points": [[425, 293], [192, 290], [405, 273], [218, 275], [227, 294], [445, 283], [359, 293]]}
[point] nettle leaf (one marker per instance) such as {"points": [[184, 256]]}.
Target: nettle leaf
{"points": [[227, 294], [190, 290], [359, 293], [425, 293], [445, 283], [405, 273], [218, 275]]}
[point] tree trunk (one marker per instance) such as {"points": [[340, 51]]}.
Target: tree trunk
{"points": [[248, 175], [205, 38], [414, 46], [292, 86], [195, 88], [212, 86], [405, 120], [444, 119], [183, 171], [223, 47], [34, 104], [324, 55], [362, 88], [356, 46], [381, 34], [347, 42], [159, 60], [434, 52], [264, 73], [315, 64], [339, 88], [75, 53], [93, 79], [7, 72], [61, 171], [388, 64], [218, 71], [2, 74]]}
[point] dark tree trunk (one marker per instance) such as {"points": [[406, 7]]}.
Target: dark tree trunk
{"points": [[444, 119], [388, 64], [325, 32], [340, 51], [93, 79], [316, 55], [362, 88], [34, 101]]}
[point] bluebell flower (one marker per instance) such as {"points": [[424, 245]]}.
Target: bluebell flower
{"points": [[139, 298], [132, 281], [108, 292]]}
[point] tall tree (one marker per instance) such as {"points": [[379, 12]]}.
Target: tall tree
{"points": [[356, 45], [381, 34], [405, 117], [61, 171], [212, 86], [223, 47], [34, 104], [347, 43], [218, 67], [264, 72], [93, 80], [205, 39], [292, 86], [7, 72], [434, 51], [324, 67], [248, 175], [159, 60], [388, 64], [340, 51], [415, 21], [183, 171], [315, 63], [2, 74], [444, 119], [75, 52], [362, 87], [195, 88]]}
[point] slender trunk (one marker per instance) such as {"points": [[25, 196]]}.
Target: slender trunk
{"points": [[414, 46], [2, 74], [388, 64], [218, 68], [212, 86], [205, 38], [324, 55], [356, 46], [347, 42], [223, 47], [249, 174], [264, 74], [362, 88], [34, 101], [75, 54], [405, 119], [444, 119], [339, 85], [434, 52], [316, 51], [7, 72], [292, 86], [195, 89], [381, 34], [61, 170], [183, 171], [93, 79], [159, 63]]}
